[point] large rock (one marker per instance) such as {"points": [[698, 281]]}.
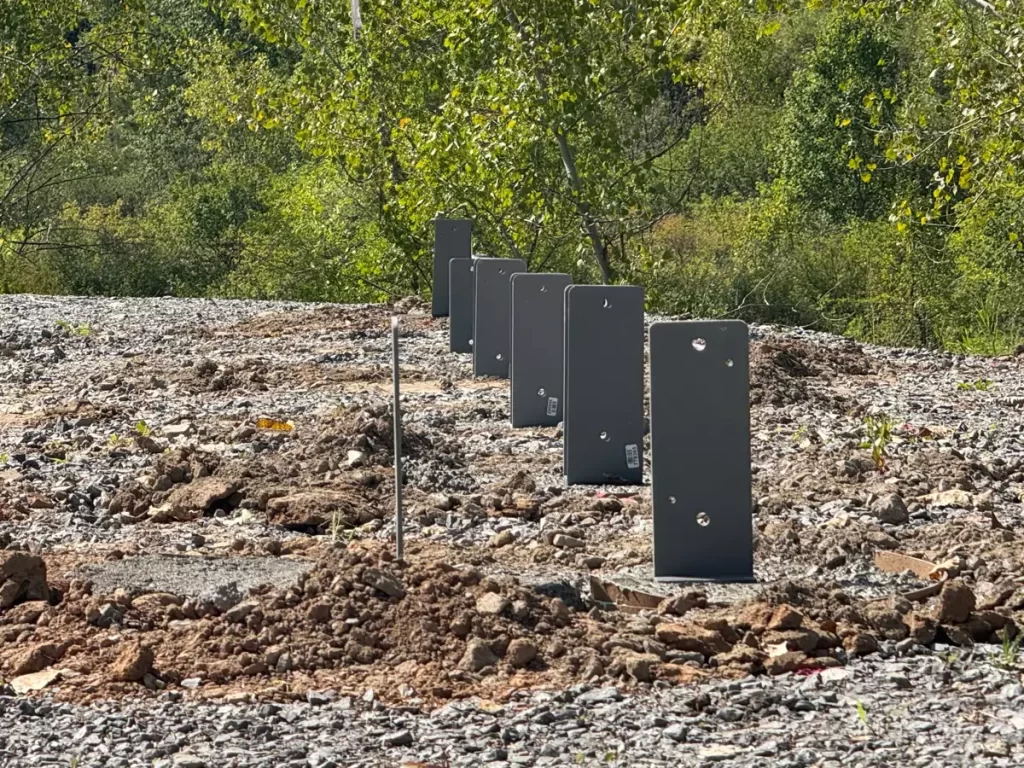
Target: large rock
{"points": [[35, 658], [956, 601], [316, 509], [891, 509], [198, 497], [22, 577]]}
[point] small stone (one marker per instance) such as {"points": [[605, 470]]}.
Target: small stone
{"points": [[956, 601], [902, 682], [565, 541], [478, 656], [520, 652], [492, 604], [239, 613], [785, 617], [319, 613], [785, 662], [503, 539], [599, 696], [676, 732], [640, 666], [355, 458], [1011, 691], [384, 581], [890, 509], [730, 714], [861, 643], [134, 663]]}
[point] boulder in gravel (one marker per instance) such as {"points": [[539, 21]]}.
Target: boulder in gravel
{"points": [[956, 601], [891, 510], [478, 656], [133, 663], [27, 574], [195, 499]]}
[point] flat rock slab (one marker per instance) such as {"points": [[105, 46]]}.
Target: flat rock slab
{"points": [[191, 577]]}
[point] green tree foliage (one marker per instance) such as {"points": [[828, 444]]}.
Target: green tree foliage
{"points": [[851, 166]]}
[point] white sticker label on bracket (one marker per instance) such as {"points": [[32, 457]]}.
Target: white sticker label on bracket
{"points": [[632, 456], [552, 406]]}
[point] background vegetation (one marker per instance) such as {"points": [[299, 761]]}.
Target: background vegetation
{"points": [[852, 166]]}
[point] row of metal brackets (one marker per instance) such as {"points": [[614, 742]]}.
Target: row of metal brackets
{"points": [[575, 356]]}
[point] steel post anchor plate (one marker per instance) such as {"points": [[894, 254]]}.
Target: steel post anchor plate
{"points": [[453, 239], [604, 384], [460, 302], [700, 449], [492, 315], [538, 353]]}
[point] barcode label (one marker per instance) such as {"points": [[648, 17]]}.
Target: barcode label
{"points": [[552, 406], [632, 456]]}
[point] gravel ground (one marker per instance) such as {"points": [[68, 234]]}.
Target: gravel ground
{"points": [[129, 434]]}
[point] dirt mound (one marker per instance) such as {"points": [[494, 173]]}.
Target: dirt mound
{"points": [[779, 369]]}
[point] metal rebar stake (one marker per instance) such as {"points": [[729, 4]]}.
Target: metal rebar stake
{"points": [[397, 429]]}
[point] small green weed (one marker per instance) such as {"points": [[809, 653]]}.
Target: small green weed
{"points": [[800, 433], [1009, 651], [878, 430], [862, 713], [143, 429], [981, 385], [74, 330]]}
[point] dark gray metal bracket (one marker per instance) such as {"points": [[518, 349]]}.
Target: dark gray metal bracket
{"points": [[700, 449], [538, 353], [453, 239], [492, 315], [461, 287], [604, 384]]}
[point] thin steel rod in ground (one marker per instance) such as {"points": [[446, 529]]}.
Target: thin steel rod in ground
{"points": [[399, 515]]}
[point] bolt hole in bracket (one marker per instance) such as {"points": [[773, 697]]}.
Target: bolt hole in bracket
{"points": [[700, 448]]}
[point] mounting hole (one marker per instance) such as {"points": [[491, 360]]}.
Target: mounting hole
{"points": [[604, 436], [501, 271], [671, 499], [700, 345], [728, 363], [703, 520], [541, 392], [498, 356], [471, 342], [543, 289], [607, 304], [472, 269]]}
